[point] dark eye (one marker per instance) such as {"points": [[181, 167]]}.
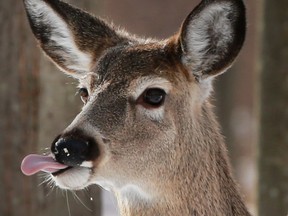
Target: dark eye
{"points": [[154, 97], [83, 92]]}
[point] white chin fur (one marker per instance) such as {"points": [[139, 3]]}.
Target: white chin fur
{"points": [[74, 179]]}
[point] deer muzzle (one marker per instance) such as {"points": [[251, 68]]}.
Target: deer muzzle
{"points": [[74, 150]]}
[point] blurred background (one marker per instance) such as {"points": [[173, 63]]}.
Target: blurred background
{"points": [[37, 102]]}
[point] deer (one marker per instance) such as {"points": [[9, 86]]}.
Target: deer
{"points": [[147, 131]]}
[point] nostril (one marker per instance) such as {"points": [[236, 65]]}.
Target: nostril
{"points": [[71, 152]]}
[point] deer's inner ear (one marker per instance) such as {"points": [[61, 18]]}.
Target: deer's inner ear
{"points": [[212, 36], [72, 38]]}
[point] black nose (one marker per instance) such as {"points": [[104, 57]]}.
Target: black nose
{"points": [[73, 152]]}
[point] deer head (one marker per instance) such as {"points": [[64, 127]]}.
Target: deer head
{"points": [[147, 131]]}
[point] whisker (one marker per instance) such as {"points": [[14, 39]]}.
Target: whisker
{"points": [[67, 201], [78, 198], [52, 186], [46, 180]]}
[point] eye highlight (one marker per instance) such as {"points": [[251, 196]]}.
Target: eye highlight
{"points": [[152, 98], [84, 94]]}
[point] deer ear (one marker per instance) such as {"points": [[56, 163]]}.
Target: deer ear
{"points": [[212, 36], [72, 38]]}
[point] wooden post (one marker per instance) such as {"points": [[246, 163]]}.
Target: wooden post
{"points": [[273, 109]]}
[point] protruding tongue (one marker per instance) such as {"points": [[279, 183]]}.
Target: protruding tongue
{"points": [[33, 163]]}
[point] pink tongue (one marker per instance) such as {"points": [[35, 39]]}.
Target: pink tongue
{"points": [[33, 163]]}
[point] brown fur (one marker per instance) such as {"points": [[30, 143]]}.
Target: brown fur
{"points": [[175, 164]]}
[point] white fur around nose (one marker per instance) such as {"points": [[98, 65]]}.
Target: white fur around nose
{"points": [[211, 25], [74, 179], [61, 36]]}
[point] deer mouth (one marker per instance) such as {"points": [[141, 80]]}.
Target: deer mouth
{"points": [[64, 176], [70, 163], [58, 172], [34, 163]]}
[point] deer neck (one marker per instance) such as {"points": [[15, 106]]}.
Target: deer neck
{"points": [[203, 184]]}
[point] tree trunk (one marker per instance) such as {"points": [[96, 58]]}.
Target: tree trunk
{"points": [[19, 93], [273, 131], [37, 103], [234, 105]]}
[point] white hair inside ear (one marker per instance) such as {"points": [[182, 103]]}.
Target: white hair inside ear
{"points": [[60, 36], [208, 35]]}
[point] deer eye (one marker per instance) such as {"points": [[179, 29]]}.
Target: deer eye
{"points": [[84, 94], [153, 97]]}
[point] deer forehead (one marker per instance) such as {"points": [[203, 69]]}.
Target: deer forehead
{"points": [[137, 67]]}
